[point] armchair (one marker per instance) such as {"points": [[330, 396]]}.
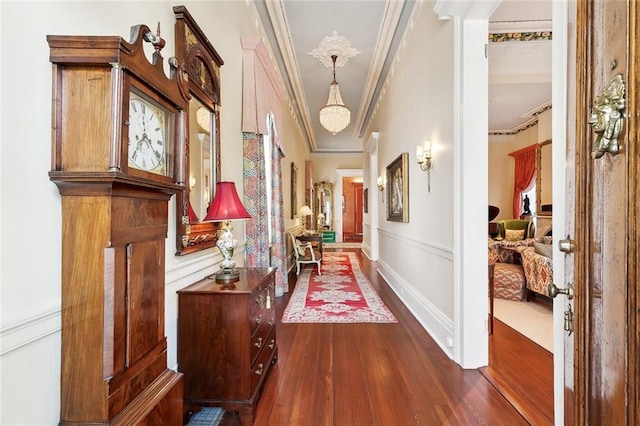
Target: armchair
{"points": [[304, 253], [538, 267], [516, 225]]}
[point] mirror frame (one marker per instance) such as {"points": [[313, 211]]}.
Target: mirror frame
{"points": [[317, 208], [201, 64], [539, 147]]}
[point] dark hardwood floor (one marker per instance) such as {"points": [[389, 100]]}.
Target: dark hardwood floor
{"points": [[523, 372], [374, 374]]}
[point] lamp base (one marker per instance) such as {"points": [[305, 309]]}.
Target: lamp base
{"points": [[226, 275]]}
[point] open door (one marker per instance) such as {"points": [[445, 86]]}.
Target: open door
{"points": [[601, 251]]}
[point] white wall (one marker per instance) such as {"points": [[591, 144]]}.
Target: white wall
{"points": [[31, 206], [416, 258], [324, 166]]}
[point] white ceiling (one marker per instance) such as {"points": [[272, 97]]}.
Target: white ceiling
{"points": [[519, 71]]}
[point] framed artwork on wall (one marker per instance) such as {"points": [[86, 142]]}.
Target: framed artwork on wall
{"points": [[398, 189], [294, 184]]}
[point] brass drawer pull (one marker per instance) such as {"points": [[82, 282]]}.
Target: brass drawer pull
{"points": [[258, 319], [272, 322], [272, 344], [259, 370], [258, 342]]}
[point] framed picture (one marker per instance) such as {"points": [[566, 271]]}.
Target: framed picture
{"points": [[294, 185], [398, 189], [365, 201]]}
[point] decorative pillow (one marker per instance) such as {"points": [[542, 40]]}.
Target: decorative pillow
{"points": [[300, 247], [514, 234], [544, 249]]}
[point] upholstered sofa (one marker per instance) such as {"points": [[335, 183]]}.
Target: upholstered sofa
{"points": [[518, 267]]}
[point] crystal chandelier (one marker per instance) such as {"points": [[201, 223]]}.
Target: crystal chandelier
{"points": [[335, 116]]}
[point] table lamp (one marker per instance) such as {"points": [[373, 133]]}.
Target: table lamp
{"points": [[225, 208], [303, 213]]}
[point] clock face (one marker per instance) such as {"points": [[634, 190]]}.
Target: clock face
{"points": [[147, 135]]}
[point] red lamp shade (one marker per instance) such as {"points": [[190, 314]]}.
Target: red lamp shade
{"points": [[193, 217], [226, 204]]}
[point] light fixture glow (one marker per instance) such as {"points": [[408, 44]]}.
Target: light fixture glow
{"points": [[203, 117], [335, 116]]}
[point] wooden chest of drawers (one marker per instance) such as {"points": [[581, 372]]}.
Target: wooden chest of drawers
{"points": [[227, 341]]}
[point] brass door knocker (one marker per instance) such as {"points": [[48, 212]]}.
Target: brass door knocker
{"points": [[607, 118]]}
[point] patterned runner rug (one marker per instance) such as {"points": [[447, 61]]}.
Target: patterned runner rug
{"points": [[342, 294]]}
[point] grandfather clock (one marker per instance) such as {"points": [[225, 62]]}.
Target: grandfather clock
{"points": [[117, 157]]}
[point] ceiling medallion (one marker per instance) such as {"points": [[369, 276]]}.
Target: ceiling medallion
{"points": [[334, 45]]}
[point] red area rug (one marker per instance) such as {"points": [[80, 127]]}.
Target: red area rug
{"points": [[342, 294]]}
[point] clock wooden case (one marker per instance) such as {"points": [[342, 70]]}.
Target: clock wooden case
{"points": [[117, 157]]}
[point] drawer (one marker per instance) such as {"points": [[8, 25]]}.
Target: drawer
{"points": [[259, 340], [262, 364], [262, 316], [263, 294]]}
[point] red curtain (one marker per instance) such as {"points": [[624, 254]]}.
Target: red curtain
{"points": [[524, 172]]}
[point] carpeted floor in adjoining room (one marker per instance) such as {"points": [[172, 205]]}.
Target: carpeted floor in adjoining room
{"points": [[528, 318]]}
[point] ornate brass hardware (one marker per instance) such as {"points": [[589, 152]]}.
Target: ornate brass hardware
{"points": [[553, 291], [568, 320], [606, 118], [259, 369], [258, 319], [258, 342], [567, 245], [272, 344]]}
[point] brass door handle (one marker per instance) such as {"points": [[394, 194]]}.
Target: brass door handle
{"points": [[553, 291], [567, 246]]}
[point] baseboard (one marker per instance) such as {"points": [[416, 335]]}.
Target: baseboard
{"points": [[435, 322]]}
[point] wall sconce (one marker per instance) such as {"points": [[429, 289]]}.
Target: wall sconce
{"points": [[380, 182], [423, 154]]}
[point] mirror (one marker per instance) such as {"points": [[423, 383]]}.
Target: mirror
{"points": [[544, 186], [201, 64], [201, 153], [323, 206]]}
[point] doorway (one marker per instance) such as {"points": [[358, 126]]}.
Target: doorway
{"points": [[522, 370], [352, 205], [344, 176]]}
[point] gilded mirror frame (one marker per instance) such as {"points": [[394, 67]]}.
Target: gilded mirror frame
{"points": [[320, 191], [539, 179], [201, 63]]}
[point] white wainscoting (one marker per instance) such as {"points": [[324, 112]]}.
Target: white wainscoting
{"points": [[30, 328], [435, 269]]}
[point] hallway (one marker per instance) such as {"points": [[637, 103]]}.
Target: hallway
{"points": [[373, 374]]}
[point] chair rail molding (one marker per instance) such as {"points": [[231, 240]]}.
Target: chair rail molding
{"points": [[30, 328]]}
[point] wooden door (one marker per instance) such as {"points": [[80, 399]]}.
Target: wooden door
{"points": [[601, 380], [357, 211]]}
